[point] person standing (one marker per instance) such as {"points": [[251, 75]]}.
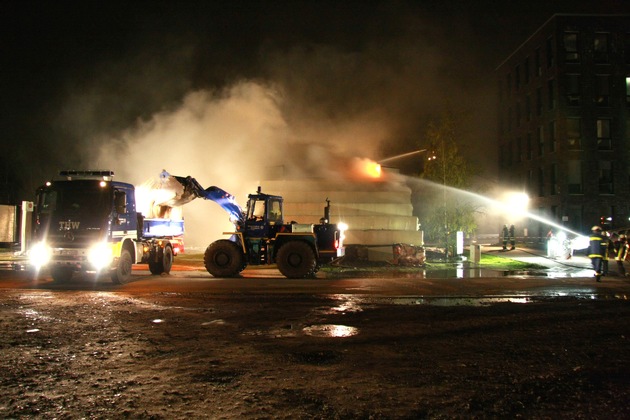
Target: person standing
{"points": [[551, 241], [621, 251], [597, 249], [512, 238], [505, 234], [607, 249]]}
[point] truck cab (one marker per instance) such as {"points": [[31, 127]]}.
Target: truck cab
{"points": [[88, 223]]}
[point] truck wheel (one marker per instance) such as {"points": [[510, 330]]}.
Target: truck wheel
{"points": [[122, 273], [167, 259], [164, 262], [296, 260], [61, 274], [224, 258]]}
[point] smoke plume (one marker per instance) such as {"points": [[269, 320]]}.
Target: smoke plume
{"points": [[226, 107], [231, 138], [312, 110]]}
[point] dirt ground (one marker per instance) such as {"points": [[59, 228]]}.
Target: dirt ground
{"points": [[80, 354]]}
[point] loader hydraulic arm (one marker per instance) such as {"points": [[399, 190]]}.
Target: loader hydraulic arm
{"points": [[192, 190]]}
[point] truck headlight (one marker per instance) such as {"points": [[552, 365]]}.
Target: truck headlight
{"points": [[100, 255], [40, 254]]}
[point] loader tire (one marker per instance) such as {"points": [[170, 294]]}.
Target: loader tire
{"points": [[296, 260], [224, 258], [164, 262], [122, 273]]}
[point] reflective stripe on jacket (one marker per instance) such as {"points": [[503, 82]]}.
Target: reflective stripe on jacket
{"points": [[597, 246]]}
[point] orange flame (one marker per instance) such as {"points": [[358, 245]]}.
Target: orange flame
{"points": [[373, 169], [366, 168]]}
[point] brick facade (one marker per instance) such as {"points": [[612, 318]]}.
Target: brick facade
{"points": [[564, 127]]}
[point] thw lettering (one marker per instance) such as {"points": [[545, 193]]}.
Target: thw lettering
{"points": [[69, 225]]}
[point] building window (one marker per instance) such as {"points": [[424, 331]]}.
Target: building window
{"points": [[551, 93], [509, 120], [549, 50], [526, 71], [519, 150], [626, 47], [517, 77], [518, 114], [575, 216], [509, 84], [554, 179], [529, 146], [541, 183], [602, 93], [552, 136], [574, 133], [571, 47], [539, 102], [530, 181], [605, 177], [574, 176], [573, 89], [541, 141], [538, 63], [604, 141], [600, 47], [528, 107]]}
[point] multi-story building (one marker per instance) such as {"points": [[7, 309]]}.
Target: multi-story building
{"points": [[564, 126]]}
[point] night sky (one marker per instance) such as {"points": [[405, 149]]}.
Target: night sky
{"points": [[115, 83]]}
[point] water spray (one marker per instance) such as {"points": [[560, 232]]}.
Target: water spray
{"points": [[402, 155], [579, 241]]}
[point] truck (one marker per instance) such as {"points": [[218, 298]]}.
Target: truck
{"points": [[261, 236], [85, 222]]}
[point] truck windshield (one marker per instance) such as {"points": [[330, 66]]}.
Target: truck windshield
{"points": [[73, 198]]}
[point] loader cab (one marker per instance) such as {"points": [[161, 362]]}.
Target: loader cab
{"points": [[264, 212]]}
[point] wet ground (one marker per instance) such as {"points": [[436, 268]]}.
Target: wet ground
{"points": [[191, 346], [73, 354]]}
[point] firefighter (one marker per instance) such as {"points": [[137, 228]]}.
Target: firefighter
{"points": [[607, 248], [621, 251], [505, 234], [597, 249], [512, 238]]}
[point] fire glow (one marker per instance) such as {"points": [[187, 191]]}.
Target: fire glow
{"points": [[154, 198], [367, 168]]}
